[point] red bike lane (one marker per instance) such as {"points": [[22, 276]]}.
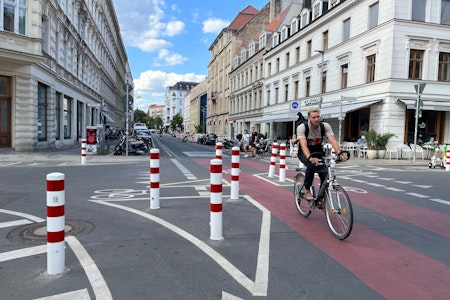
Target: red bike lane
{"points": [[392, 269]]}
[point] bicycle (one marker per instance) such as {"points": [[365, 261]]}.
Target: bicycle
{"points": [[332, 198]]}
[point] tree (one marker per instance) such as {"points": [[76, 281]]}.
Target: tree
{"points": [[139, 116], [158, 122], [177, 121]]}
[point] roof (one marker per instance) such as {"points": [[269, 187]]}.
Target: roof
{"points": [[277, 21], [243, 18]]}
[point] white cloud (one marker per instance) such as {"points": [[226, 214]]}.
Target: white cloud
{"points": [[174, 28], [170, 59], [151, 86], [153, 45], [214, 25], [175, 8]]}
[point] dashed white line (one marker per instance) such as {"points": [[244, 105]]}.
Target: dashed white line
{"points": [[441, 201], [74, 295], [418, 195], [184, 170], [394, 189], [4, 256]]}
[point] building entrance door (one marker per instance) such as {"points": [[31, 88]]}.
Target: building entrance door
{"points": [[5, 122]]}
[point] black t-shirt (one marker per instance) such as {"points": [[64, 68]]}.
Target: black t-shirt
{"points": [[253, 138]]}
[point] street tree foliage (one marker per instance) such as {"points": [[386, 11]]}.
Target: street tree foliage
{"points": [[140, 116], [177, 122]]}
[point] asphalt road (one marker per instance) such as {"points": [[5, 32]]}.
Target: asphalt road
{"points": [[119, 248]]}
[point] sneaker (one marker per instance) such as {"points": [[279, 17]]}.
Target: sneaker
{"points": [[308, 195], [246, 155]]}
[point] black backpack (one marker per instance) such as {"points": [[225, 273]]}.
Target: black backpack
{"points": [[302, 119]]}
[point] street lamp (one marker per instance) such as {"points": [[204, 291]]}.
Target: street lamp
{"points": [[321, 76], [419, 87]]}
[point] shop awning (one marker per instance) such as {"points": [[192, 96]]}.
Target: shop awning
{"points": [[335, 111], [109, 118], [277, 118], [427, 104]]}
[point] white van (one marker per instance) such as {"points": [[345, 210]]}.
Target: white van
{"points": [[140, 126]]}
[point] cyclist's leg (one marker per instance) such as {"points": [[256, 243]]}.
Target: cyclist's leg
{"points": [[303, 205]]}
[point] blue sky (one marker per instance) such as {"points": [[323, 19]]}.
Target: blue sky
{"points": [[168, 41]]}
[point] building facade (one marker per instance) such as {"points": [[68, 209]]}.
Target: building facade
{"points": [[195, 115], [63, 67], [359, 61]]}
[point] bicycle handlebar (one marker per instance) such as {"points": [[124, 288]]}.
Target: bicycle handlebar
{"points": [[337, 159]]}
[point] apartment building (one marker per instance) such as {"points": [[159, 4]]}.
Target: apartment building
{"points": [[174, 100], [360, 61], [63, 67], [195, 109]]}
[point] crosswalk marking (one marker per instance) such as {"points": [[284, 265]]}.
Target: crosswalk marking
{"points": [[15, 223]]}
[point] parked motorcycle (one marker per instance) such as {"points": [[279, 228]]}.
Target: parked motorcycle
{"points": [[135, 146], [228, 144]]}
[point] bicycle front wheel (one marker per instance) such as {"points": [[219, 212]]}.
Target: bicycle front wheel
{"points": [[303, 205], [339, 212]]}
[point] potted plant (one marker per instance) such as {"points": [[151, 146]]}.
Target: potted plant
{"points": [[371, 138], [382, 140]]}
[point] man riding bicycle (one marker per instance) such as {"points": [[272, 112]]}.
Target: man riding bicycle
{"points": [[315, 131]]}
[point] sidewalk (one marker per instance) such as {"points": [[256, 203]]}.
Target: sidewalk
{"points": [[74, 153]]}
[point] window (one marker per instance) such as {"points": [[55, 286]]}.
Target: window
{"points": [[276, 95], [346, 29], [344, 76], [309, 48], [334, 2], [305, 18], [269, 69], [268, 98], [14, 16], [418, 10], [294, 26], [277, 69], [42, 112], [287, 60], [286, 92], [324, 81], [67, 117], [444, 66], [297, 54], [370, 76], [373, 15], [296, 89], [415, 64], [308, 86], [325, 40], [445, 12], [316, 11]]}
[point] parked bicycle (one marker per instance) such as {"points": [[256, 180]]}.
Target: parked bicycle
{"points": [[331, 197]]}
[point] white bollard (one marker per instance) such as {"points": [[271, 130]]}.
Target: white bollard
{"points": [[55, 223], [235, 160], [273, 159], [216, 200], [154, 178], [282, 163], [219, 147], [83, 151]]}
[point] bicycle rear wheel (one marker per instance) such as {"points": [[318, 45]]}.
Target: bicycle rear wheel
{"points": [[303, 205], [339, 212]]}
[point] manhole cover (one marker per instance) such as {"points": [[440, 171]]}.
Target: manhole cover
{"points": [[37, 233]]}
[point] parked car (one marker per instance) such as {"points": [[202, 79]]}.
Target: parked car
{"points": [[207, 139]]}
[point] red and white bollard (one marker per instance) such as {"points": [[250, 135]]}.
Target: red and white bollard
{"points": [[219, 147], [282, 163], [235, 160], [273, 159], [447, 159], [216, 200], [83, 151], [154, 178], [55, 223]]}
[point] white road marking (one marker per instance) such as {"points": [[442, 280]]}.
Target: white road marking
{"points": [[417, 195], [23, 215], [403, 182], [14, 223], [441, 201], [10, 255], [259, 287], [394, 189], [387, 179], [74, 295], [375, 184], [423, 186], [94, 275], [183, 170]]}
